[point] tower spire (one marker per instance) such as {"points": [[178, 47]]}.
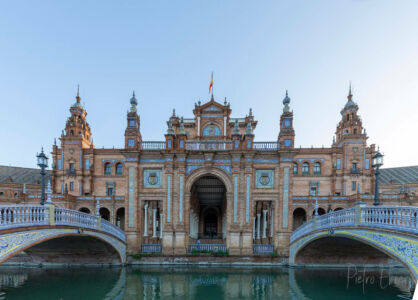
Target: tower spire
{"points": [[78, 94], [350, 94]]}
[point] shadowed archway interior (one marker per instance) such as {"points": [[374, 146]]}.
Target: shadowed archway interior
{"points": [[208, 204]]}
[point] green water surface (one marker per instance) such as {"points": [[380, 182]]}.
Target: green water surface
{"points": [[156, 282]]}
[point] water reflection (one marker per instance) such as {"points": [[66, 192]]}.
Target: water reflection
{"points": [[156, 282]]}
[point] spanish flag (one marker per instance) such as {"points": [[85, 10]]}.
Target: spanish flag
{"points": [[211, 83]]}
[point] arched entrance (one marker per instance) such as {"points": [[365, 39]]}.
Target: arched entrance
{"points": [[299, 217], [208, 208], [120, 218], [85, 210], [104, 213]]}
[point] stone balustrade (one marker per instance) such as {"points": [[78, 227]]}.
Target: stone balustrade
{"points": [[152, 145], [14, 216], [399, 218], [266, 146], [209, 145]]}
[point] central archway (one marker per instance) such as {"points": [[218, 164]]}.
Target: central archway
{"points": [[208, 203]]}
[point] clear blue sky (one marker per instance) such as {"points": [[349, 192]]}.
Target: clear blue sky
{"points": [[166, 50]]}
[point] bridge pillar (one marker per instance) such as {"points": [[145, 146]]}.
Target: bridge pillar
{"points": [[359, 218], [50, 213]]}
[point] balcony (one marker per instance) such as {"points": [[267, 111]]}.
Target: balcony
{"points": [[266, 146], [152, 146], [209, 145], [355, 171], [70, 171]]}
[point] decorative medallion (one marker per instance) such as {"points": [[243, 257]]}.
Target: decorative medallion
{"points": [[355, 149], [152, 178], [71, 150], [264, 178]]}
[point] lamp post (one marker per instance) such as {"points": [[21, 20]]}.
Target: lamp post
{"points": [[43, 164], [377, 162]]}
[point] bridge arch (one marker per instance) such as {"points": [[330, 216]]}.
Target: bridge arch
{"points": [[15, 242], [403, 248]]}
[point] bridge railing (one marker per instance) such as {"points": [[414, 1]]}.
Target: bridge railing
{"points": [[12, 216], [391, 217], [108, 227], [69, 217], [403, 218], [266, 146]]}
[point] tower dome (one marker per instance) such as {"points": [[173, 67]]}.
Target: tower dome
{"points": [[133, 99], [286, 99]]}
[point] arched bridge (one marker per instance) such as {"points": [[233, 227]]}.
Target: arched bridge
{"points": [[25, 227], [390, 229]]}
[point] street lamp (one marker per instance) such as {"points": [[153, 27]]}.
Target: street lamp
{"points": [[43, 164], [377, 162]]}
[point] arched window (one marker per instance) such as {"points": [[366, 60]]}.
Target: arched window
{"points": [[108, 169], [305, 168], [295, 168], [355, 131], [212, 130], [348, 117], [119, 169], [317, 168]]}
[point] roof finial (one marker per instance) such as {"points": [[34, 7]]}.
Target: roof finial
{"points": [[286, 102], [134, 102], [174, 112], [350, 94], [78, 94]]}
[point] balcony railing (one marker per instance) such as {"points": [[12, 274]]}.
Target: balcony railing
{"points": [[151, 248], [355, 171], [266, 146], [263, 249], [152, 146], [209, 145], [70, 171], [207, 247]]}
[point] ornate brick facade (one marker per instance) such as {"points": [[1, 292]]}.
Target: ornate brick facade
{"points": [[209, 179]]}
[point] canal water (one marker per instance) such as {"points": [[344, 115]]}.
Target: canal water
{"points": [[152, 282]]}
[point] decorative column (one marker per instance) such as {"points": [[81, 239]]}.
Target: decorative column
{"points": [[254, 228], [271, 222], [161, 225], [154, 222], [258, 226], [264, 223], [146, 219]]}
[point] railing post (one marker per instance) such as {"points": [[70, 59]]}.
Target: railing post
{"points": [[50, 213], [359, 213], [99, 222]]}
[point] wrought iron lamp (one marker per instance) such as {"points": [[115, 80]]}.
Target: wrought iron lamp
{"points": [[377, 162], [43, 164]]}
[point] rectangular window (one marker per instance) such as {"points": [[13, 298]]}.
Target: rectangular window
{"points": [[131, 142], [287, 123], [338, 163], [366, 164], [71, 186], [295, 168], [181, 144], [169, 144], [354, 166], [87, 164], [249, 144], [353, 185], [109, 191], [236, 144], [313, 191], [71, 167], [287, 143], [131, 123], [59, 164]]}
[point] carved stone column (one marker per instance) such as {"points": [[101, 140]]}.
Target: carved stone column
{"points": [[154, 222], [146, 219], [258, 226], [264, 223]]}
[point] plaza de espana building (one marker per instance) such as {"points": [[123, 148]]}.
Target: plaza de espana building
{"points": [[210, 180]]}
